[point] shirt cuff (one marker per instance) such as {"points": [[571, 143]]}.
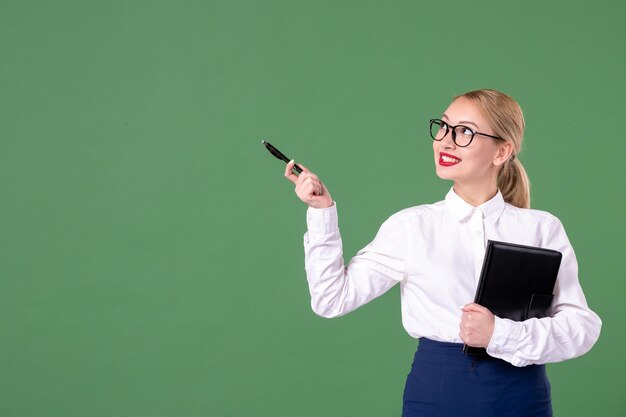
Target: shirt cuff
{"points": [[505, 338], [322, 220]]}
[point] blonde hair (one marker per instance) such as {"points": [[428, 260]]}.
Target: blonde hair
{"points": [[507, 120]]}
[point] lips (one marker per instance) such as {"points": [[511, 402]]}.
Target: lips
{"points": [[448, 160]]}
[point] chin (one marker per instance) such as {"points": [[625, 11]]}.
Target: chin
{"points": [[444, 174]]}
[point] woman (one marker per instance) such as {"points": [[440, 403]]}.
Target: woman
{"points": [[435, 252]]}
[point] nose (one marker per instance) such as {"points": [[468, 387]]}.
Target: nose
{"points": [[447, 142]]}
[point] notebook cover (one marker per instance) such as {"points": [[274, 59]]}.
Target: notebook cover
{"points": [[516, 282]]}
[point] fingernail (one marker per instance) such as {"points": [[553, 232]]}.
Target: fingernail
{"points": [[461, 307]]}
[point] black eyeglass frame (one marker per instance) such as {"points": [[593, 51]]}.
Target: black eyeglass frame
{"points": [[452, 129]]}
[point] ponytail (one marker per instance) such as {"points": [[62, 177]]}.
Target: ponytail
{"points": [[514, 184]]}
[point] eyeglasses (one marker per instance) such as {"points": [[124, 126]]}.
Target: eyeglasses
{"points": [[462, 136]]}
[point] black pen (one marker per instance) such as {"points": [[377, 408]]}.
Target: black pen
{"points": [[278, 154]]}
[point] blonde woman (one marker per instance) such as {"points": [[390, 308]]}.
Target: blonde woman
{"points": [[435, 252]]}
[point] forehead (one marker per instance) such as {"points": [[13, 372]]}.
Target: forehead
{"points": [[464, 111]]}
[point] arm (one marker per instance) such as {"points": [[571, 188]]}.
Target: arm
{"points": [[571, 331], [337, 289]]}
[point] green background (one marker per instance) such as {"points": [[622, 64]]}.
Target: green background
{"points": [[151, 259]]}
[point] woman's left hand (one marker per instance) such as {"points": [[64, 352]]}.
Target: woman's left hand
{"points": [[477, 324]]}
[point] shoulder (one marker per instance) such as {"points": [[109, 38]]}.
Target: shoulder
{"points": [[409, 221], [418, 213], [532, 217], [528, 213]]}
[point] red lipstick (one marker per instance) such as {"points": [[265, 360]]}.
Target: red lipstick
{"points": [[448, 163]]}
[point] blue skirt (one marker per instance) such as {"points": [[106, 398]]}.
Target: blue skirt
{"points": [[445, 382]]}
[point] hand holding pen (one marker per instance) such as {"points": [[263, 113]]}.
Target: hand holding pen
{"points": [[309, 188]]}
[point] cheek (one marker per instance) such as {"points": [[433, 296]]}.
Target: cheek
{"points": [[479, 166], [485, 159]]}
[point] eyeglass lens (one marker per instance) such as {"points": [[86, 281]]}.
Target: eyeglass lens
{"points": [[462, 135]]}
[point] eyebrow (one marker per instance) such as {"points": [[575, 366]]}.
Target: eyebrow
{"points": [[462, 121]]}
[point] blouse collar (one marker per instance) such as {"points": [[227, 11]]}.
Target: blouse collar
{"points": [[461, 210]]}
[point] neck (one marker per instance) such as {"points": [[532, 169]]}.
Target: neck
{"points": [[476, 194]]}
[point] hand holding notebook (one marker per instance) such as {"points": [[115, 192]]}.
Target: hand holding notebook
{"points": [[516, 282]]}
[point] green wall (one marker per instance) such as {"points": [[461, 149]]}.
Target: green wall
{"points": [[151, 259]]}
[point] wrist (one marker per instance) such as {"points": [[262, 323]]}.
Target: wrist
{"points": [[322, 220], [322, 204]]}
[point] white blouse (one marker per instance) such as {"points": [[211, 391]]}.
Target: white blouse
{"points": [[435, 251]]}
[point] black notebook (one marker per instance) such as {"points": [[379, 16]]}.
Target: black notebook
{"points": [[516, 282]]}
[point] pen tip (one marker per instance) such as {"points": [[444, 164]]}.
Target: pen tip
{"points": [[263, 142]]}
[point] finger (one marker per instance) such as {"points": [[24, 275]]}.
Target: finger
{"points": [[475, 307], [307, 179], [307, 190], [304, 169], [315, 184], [289, 174]]}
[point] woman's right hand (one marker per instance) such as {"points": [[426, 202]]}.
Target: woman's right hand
{"points": [[309, 188]]}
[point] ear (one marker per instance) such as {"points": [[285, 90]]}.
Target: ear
{"points": [[505, 150]]}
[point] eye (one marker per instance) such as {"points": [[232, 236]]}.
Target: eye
{"points": [[466, 131]]}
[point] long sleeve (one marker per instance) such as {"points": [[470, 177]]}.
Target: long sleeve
{"points": [[337, 289], [571, 331]]}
